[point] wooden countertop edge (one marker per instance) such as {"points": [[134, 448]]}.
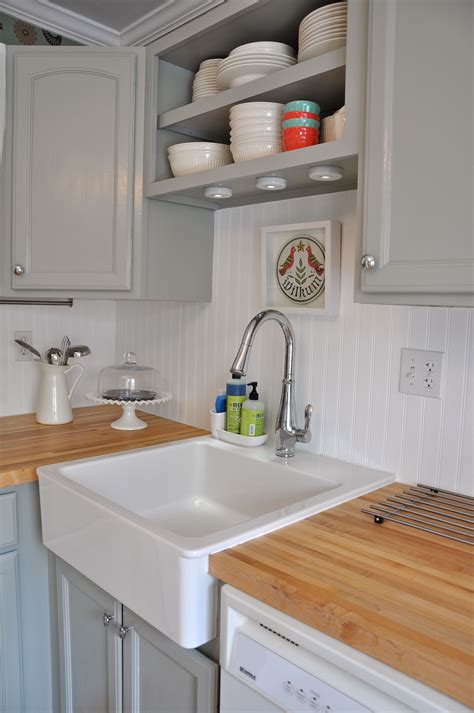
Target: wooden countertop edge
{"points": [[354, 608], [44, 444]]}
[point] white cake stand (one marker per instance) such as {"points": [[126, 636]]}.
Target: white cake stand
{"points": [[129, 421]]}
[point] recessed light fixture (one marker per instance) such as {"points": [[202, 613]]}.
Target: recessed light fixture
{"points": [[325, 173], [218, 192], [271, 183]]}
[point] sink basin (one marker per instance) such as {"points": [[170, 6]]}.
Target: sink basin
{"points": [[142, 524]]}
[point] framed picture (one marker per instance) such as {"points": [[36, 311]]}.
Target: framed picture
{"points": [[301, 267]]}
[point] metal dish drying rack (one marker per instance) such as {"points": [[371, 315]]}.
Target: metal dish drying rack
{"points": [[430, 509]]}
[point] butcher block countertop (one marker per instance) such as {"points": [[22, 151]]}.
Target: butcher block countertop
{"points": [[25, 444], [400, 595]]}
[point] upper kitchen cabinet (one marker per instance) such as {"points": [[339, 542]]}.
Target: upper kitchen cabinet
{"points": [[73, 168], [333, 79], [75, 220], [417, 237]]}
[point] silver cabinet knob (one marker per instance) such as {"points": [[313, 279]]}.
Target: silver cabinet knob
{"points": [[107, 618], [18, 270], [367, 262], [123, 631]]}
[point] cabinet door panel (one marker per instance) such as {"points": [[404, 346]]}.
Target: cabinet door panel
{"points": [[90, 653], [418, 220], [161, 677], [10, 666], [73, 181]]}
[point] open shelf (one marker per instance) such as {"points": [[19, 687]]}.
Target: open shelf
{"points": [[321, 79], [292, 165]]}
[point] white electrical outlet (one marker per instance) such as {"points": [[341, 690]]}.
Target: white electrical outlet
{"points": [[22, 354], [421, 372]]}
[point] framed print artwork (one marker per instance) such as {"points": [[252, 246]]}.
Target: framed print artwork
{"points": [[301, 267]]}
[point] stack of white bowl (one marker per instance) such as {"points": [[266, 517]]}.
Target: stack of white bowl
{"points": [[195, 156], [255, 130], [322, 31], [252, 61], [205, 79]]}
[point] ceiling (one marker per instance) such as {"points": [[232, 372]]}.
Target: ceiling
{"points": [[109, 22], [116, 14]]}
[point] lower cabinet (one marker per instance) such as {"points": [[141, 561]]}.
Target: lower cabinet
{"points": [[10, 666], [113, 661]]}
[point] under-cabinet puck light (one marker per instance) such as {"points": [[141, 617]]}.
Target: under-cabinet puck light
{"points": [[325, 173], [271, 183], [218, 192]]}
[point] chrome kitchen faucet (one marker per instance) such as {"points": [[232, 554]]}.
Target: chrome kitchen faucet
{"points": [[286, 431]]}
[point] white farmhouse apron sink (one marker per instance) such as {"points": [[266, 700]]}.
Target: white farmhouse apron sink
{"points": [[142, 524]]}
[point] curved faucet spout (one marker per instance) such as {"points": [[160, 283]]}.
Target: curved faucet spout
{"points": [[287, 432], [241, 361]]}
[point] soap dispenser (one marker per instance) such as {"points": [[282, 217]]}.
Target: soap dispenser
{"points": [[253, 414]]}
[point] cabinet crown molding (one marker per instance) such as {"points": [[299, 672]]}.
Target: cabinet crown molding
{"points": [[169, 15]]}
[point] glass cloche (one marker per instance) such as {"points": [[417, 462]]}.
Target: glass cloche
{"points": [[129, 381]]}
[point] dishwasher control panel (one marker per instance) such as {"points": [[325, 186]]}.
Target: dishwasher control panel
{"points": [[292, 688]]}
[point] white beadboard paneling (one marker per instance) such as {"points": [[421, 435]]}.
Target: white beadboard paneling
{"points": [[347, 366], [87, 322]]}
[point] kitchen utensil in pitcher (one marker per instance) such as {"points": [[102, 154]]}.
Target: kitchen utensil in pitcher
{"points": [[54, 405]]}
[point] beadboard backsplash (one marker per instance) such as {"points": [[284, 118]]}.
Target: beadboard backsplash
{"points": [[347, 367], [87, 322]]}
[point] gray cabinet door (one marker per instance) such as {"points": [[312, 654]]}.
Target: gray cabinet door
{"points": [[73, 167], [90, 653], [161, 677], [418, 220], [10, 665]]}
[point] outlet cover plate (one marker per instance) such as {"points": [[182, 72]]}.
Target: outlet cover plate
{"points": [[421, 372], [22, 354]]}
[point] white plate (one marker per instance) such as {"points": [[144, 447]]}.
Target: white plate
{"points": [[234, 76], [264, 61], [210, 62], [322, 38], [323, 12], [258, 47], [317, 21], [321, 48], [260, 57], [324, 30], [336, 24]]}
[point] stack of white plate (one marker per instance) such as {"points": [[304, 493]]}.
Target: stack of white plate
{"points": [[323, 30], [255, 130], [252, 61], [196, 156], [205, 83]]}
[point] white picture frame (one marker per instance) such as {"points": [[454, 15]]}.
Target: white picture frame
{"points": [[301, 267]]}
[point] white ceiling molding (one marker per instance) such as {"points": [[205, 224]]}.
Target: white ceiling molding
{"points": [[82, 29], [61, 22], [164, 19]]}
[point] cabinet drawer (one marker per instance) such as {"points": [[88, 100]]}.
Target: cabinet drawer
{"points": [[8, 520]]}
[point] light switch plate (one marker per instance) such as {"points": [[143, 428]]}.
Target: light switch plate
{"points": [[421, 372]]}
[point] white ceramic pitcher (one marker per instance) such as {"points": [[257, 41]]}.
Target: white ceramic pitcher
{"points": [[54, 405]]}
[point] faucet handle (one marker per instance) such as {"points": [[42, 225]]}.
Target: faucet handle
{"points": [[303, 435]]}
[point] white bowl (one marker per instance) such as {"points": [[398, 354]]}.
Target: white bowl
{"points": [[250, 151], [250, 107], [184, 164], [259, 47], [253, 57], [199, 146]]}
